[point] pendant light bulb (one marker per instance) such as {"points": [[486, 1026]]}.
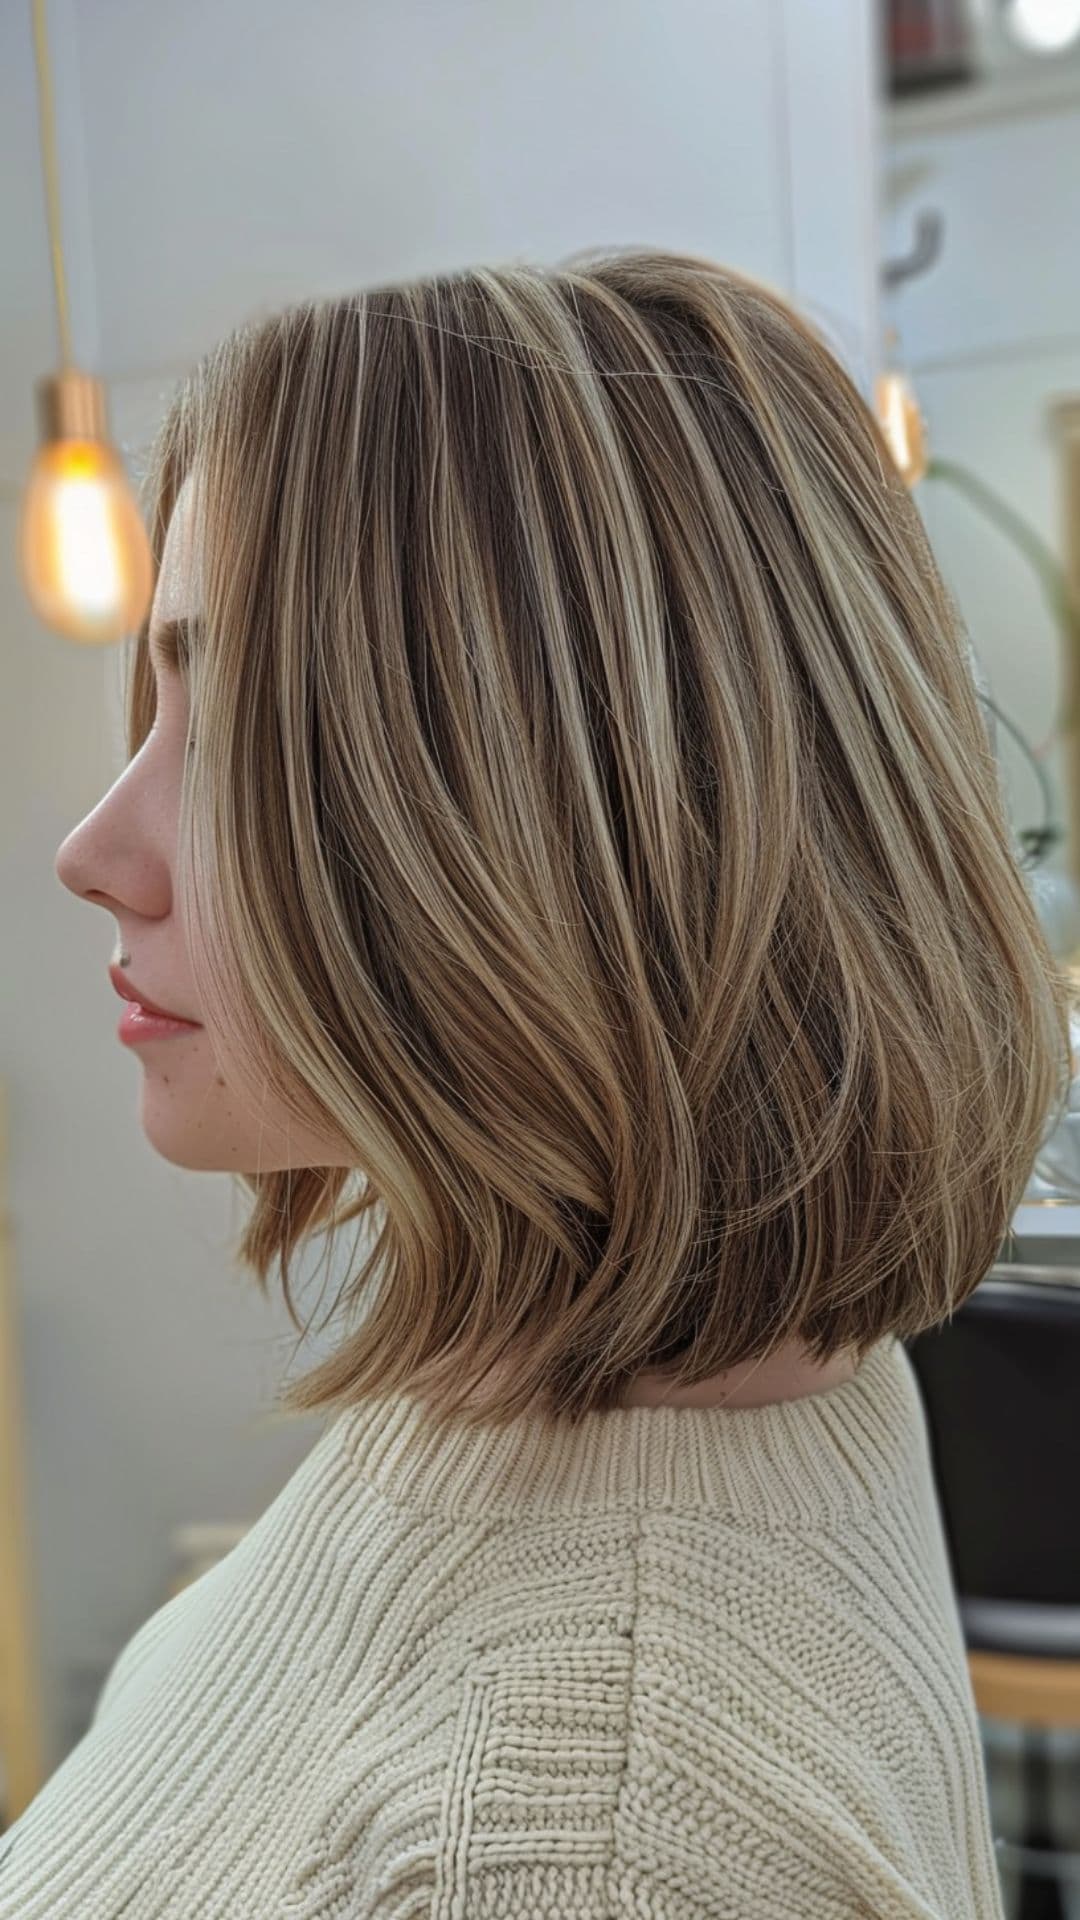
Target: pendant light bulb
{"points": [[903, 426], [1043, 26], [84, 552]]}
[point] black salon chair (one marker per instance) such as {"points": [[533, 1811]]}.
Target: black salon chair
{"points": [[1000, 1384]]}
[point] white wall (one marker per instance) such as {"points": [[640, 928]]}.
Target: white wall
{"points": [[219, 160]]}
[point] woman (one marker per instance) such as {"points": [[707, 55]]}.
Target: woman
{"points": [[559, 804]]}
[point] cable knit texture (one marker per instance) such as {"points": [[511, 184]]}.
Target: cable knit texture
{"points": [[676, 1663]]}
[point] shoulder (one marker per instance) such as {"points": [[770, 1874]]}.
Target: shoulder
{"points": [[660, 1717], [740, 1723], [135, 1660]]}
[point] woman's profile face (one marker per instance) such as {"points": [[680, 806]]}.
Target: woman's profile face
{"points": [[122, 857]]}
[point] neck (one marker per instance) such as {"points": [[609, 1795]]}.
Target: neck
{"points": [[787, 1374]]}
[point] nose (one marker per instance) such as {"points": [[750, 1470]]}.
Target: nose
{"points": [[120, 855], [106, 852], [70, 866], [73, 873], [64, 866], [87, 856]]}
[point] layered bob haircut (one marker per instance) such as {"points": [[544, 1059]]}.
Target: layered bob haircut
{"points": [[592, 823]]}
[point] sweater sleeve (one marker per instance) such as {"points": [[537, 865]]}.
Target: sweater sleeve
{"points": [[560, 1799]]}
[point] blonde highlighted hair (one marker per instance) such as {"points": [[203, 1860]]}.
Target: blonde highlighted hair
{"points": [[592, 823]]}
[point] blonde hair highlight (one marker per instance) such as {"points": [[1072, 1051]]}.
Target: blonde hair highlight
{"points": [[593, 824]]}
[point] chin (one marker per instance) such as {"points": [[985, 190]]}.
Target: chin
{"points": [[178, 1145], [198, 1122], [171, 1123]]}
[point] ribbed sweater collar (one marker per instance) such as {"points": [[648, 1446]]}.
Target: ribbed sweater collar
{"points": [[797, 1460]]}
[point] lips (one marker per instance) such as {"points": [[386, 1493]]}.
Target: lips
{"points": [[127, 991]]}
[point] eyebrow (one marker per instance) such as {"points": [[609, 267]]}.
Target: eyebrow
{"points": [[175, 641]]}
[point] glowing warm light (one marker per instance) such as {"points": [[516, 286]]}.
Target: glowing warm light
{"points": [[902, 424], [84, 551], [1045, 26]]}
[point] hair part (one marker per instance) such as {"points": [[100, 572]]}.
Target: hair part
{"points": [[593, 825]]}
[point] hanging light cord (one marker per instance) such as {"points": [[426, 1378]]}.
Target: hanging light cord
{"points": [[47, 118]]}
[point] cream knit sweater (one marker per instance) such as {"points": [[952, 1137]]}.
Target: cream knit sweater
{"points": [[677, 1663]]}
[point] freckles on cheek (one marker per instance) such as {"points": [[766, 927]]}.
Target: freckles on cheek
{"points": [[219, 1079]]}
